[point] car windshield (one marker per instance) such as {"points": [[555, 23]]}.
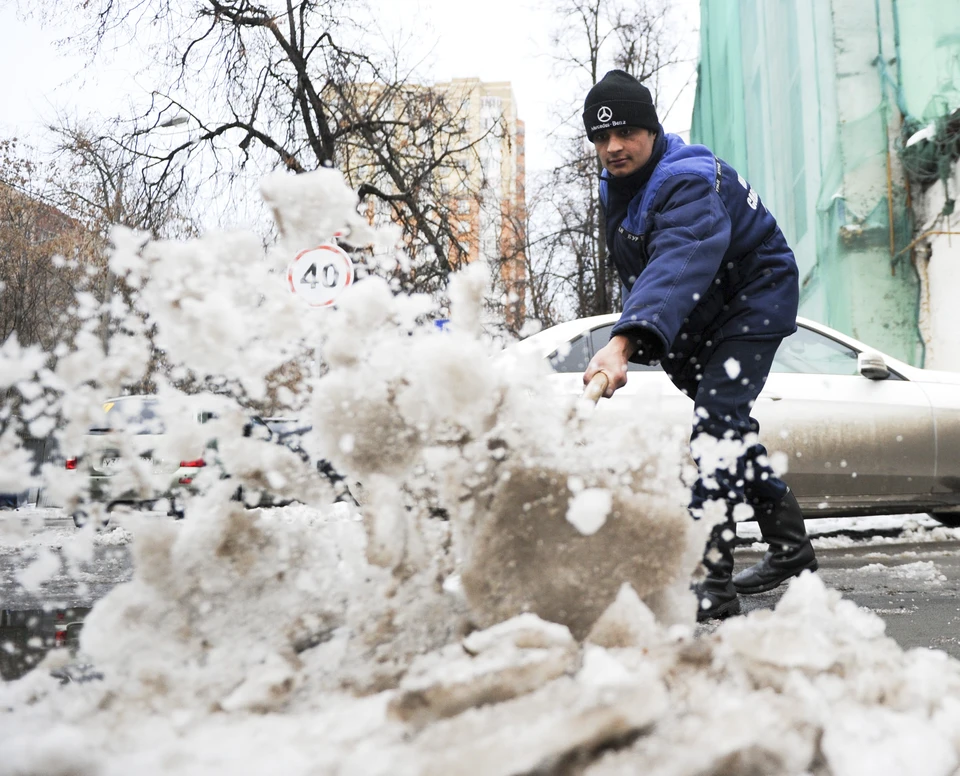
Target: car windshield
{"points": [[804, 352], [133, 414]]}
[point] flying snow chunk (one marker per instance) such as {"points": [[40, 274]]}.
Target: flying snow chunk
{"points": [[733, 368], [43, 568], [589, 509], [779, 462]]}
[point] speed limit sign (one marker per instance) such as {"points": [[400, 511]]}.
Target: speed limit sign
{"points": [[318, 275]]}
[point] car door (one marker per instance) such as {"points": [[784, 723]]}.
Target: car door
{"points": [[646, 384], [945, 402], [848, 439], [851, 444]]}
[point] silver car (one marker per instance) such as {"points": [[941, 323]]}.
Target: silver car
{"points": [[121, 460], [865, 434]]}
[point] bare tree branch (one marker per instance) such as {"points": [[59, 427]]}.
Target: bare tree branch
{"points": [[279, 84], [570, 248]]}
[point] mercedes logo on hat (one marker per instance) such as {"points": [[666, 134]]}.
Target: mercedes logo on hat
{"points": [[604, 114]]}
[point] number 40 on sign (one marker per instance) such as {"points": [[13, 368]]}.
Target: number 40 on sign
{"points": [[318, 275]]}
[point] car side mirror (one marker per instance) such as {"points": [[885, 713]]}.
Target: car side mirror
{"points": [[872, 366]]}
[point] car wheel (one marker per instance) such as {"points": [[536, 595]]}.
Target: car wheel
{"points": [[174, 511], [81, 518], [949, 519]]}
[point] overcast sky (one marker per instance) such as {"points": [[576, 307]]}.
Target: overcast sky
{"points": [[495, 40]]}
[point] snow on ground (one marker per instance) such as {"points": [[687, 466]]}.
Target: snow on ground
{"points": [[925, 571], [18, 531], [842, 532], [291, 653], [322, 639]]}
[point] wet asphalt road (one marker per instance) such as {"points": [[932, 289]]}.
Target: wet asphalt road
{"points": [[80, 586], [920, 604]]}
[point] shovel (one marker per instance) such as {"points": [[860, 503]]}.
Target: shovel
{"points": [[525, 554], [595, 388]]}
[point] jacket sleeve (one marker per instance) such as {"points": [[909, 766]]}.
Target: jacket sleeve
{"points": [[689, 235]]}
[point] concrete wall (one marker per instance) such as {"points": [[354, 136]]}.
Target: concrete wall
{"points": [[875, 303], [937, 257]]}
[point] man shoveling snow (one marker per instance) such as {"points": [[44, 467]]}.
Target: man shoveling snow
{"points": [[709, 290]]}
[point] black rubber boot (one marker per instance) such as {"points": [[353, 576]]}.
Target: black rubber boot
{"points": [[789, 553], [717, 598], [716, 595]]}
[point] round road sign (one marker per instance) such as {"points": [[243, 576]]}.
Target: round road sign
{"points": [[318, 275]]}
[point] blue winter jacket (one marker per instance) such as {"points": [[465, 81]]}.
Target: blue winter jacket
{"points": [[701, 259]]}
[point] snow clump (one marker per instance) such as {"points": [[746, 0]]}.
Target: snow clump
{"points": [[328, 638]]}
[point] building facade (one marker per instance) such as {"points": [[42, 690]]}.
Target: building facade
{"points": [[460, 144], [491, 203], [819, 103]]}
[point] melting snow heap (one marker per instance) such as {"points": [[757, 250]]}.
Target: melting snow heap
{"points": [[552, 508], [545, 628]]}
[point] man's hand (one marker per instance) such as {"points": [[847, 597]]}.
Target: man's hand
{"points": [[611, 359]]}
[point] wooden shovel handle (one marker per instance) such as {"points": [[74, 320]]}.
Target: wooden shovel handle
{"points": [[596, 387]]}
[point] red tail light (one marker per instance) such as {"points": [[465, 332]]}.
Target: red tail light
{"points": [[71, 463], [195, 464], [60, 634]]}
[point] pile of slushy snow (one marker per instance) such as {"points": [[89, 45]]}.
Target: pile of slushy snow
{"points": [[544, 627], [264, 642]]}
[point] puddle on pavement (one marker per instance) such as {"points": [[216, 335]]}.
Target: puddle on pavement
{"points": [[27, 635]]}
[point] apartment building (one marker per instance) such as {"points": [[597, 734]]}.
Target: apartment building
{"points": [[845, 117], [491, 202], [469, 142]]}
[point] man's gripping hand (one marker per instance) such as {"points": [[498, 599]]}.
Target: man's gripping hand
{"points": [[611, 359]]}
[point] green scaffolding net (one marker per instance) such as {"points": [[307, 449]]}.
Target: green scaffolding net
{"points": [[819, 103]]}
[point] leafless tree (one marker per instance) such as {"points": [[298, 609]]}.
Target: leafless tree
{"points": [[41, 251], [55, 222], [294, 83], [102, 181], [414, 159], [591, 36]]}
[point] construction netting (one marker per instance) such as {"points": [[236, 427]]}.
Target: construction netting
{"points": [[838, 112]]}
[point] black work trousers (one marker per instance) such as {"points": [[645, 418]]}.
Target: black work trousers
{"points": [[731, 463]]}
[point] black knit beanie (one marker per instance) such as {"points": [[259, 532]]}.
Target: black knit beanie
{"points": [[619, 100]]}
